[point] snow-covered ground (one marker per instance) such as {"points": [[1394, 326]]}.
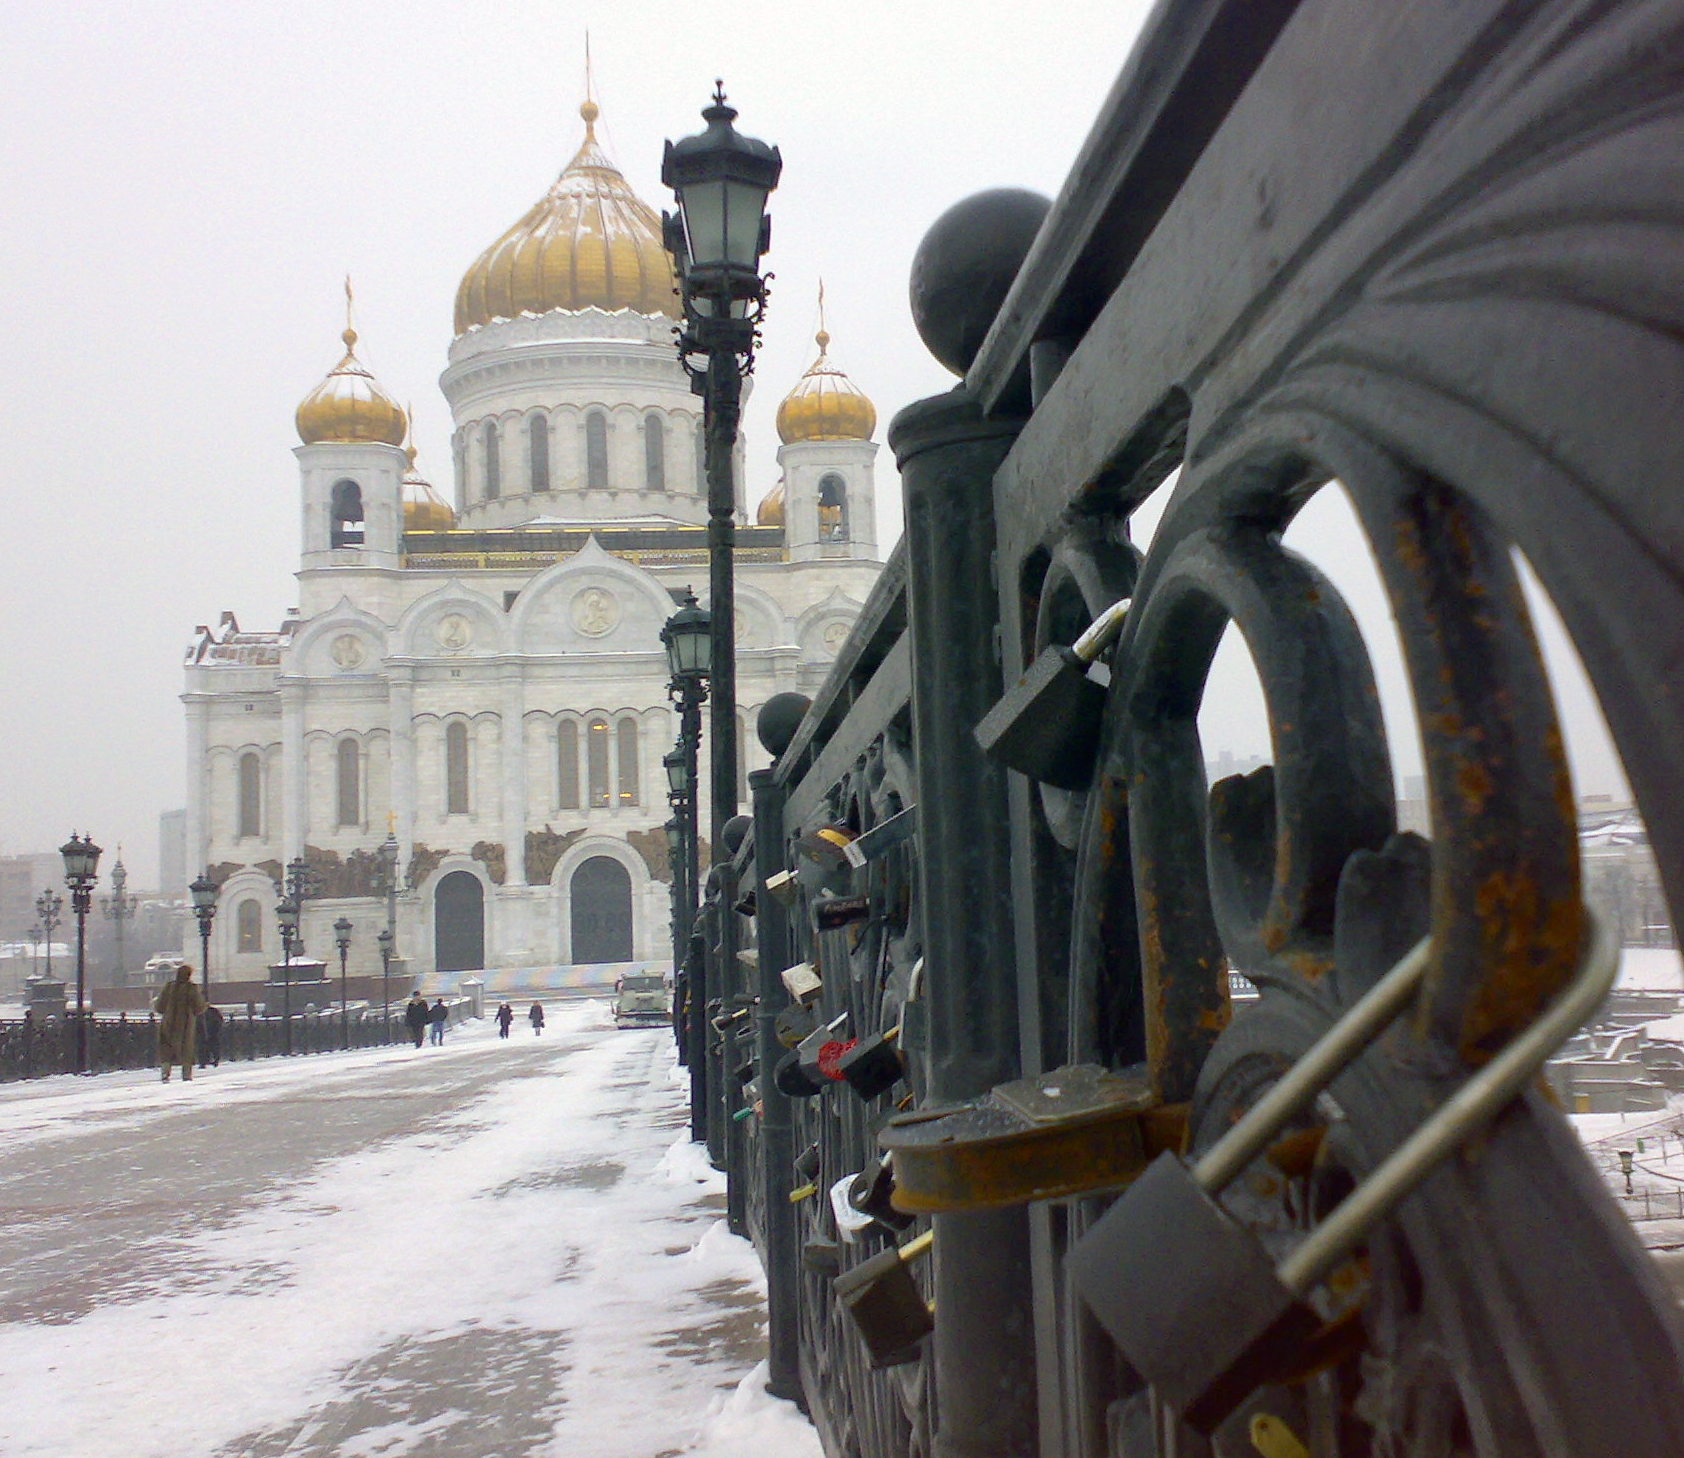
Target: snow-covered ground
{"points": [[490, 1250]]}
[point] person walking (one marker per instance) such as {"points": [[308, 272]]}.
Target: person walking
{"points": [[210, 1037], [438, 1017], [415, 1014], [537, 1016], [178, 1007], [505, 1016]]}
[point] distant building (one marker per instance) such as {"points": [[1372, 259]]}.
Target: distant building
{"points": [[173, 874], [486, 678], [22, 879]]}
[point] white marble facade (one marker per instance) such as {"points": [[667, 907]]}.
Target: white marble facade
{"points": [[493, 690]]}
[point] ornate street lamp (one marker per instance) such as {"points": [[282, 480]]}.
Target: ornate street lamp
{"points": [[386, 938], [81, 870], [342, 940], [389, 856], [720, 179], [204, 892], [48, 905], [286, 913], [120, 907], [688, 638]]}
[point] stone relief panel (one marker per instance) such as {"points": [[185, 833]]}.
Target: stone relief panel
{"points": [[543, 849], [490, 855]]}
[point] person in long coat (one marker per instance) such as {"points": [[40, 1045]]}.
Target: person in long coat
{"points": [[415, 1014], [178, 1007]]}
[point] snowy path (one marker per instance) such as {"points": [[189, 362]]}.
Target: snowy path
{"points": [[490, 1250]]}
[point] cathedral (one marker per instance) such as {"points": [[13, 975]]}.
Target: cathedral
{"points": [[483, 678]]}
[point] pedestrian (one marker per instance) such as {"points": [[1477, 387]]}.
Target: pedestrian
{"points": [[537, 1016], [505, 1016], [178, 1007], [438, 1017], [210, 1037], [415, 1014]]}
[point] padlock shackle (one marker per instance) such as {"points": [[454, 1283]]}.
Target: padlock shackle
{"points": [[1097, 637], [1463, 1113], [1374, 1011]]}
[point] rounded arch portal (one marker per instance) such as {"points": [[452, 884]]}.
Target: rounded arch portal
{"points": [[600, 895], [459, 923]]}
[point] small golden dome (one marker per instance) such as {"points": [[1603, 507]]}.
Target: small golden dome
{"points": [[825, 404], [424, 510], [349, 406], [589, 242], [771, 512]]}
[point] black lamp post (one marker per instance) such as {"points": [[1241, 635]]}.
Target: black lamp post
{"points": [[286, 913], [720, 179], [342, 940], [48, 905], [386, 938], [81, 870], [204, 893], [120, 907]]}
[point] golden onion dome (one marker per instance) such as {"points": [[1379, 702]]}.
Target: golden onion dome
{"points": [[771, 511], [825, 404], [424, 510], [349, 406], [589, 242]]}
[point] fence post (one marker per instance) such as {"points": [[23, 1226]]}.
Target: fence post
{"points": [[777, 1140], [948, 452]]}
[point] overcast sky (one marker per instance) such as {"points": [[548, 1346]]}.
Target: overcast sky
{"points": [[186, 184]]}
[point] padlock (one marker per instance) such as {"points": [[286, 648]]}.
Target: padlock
{"points": [[1204, 1350], [885, 1304], [745, 1071], [791, 1081], [821, 859], [745, 903], [1047, 724], [781, 885], [873, 1065], [882, 838], [807, 1163], [793, 1024], [802, 983], [832, 913], [746, 1112], [822, 1257], [871, 1191]]}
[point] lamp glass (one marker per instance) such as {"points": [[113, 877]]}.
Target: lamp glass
{"points": [[677, 764], [204, 891], [287, 914], [342, 932], [81, 858]]}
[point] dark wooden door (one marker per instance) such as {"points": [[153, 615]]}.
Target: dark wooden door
{"points": [[459, 924], [602, 911]]}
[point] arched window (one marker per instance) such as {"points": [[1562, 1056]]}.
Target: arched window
{"points": [[701, 458], [567, 765], [459, 458], [493, 464], [833, 508], [251, 795], [538, 451], [742, 760], [596, 761], [654, 452], [249, 925], [350, 790], [626, 732], [456, 768], [596, 451], [346, 509]]}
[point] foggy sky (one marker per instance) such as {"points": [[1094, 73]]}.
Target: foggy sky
{"points": [[186, 185]]}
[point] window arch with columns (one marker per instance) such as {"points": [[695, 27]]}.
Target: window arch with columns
{"points": [[538, 452], [567, 765], [248, 926], [596, 450], [348, 798], [249, 795], [654, 451], [627, 743], [493, 461], [456, 768]]}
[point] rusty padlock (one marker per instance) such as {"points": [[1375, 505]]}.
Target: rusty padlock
{"points": [[1047, 724], [885, 1304]]}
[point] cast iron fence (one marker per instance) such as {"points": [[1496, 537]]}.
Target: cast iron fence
{"points": [[1428, 254]]}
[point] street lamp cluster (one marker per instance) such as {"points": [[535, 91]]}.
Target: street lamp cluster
{"points": [[721, 180]]}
